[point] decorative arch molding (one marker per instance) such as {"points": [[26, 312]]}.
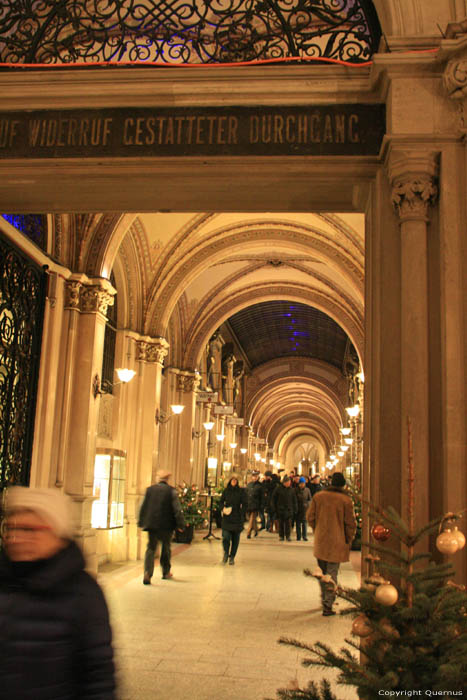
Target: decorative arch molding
{"points": [[208, 303], [320, 433], [129, 262], [268, 292], [105, 243], [297, 373], [319, 426], [212, 249], [285, 400]]}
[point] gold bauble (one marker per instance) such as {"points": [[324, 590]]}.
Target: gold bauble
{"points": [[460, 537], [447, 542], [386, 594], [361, 627]]}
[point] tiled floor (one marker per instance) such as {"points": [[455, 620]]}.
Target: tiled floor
{"points": [[212, 632]]}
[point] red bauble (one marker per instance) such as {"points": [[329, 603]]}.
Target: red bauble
{"points": [[380, 532]]}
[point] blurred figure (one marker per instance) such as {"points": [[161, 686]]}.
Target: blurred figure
{"points": [[268, 487], [254, 491], [55, 642], [285, 506], [315, 484], [332, 517], [303, 501], [233, 505], [159, 515]]}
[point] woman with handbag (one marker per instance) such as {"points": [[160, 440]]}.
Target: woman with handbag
{"points": [[233, 505]]}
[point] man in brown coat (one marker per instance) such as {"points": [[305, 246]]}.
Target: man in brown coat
{"points": [[332, 517]]}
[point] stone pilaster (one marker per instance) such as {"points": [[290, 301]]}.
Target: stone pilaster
{"points": [[85, 308], [187, 384], [414, 190]]}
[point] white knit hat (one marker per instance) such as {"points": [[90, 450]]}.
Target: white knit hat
{"points": [[49, 504]]}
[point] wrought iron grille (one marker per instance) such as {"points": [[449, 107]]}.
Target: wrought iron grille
{"points": [[34, 226], [186, 31], [22, 296]]}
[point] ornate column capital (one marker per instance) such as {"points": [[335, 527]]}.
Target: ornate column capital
{"points": [[72, 294], [88, 296], [414, 183], [152, 350], [95, 298], [188, 381]]}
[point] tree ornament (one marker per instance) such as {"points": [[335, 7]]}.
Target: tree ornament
{"points": [[386, 594], [380, 532], [460, 537], [373, 581], [361, 627], [447, 542]]}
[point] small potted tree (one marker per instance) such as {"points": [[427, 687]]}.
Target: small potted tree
{"points": [[193, 512]]}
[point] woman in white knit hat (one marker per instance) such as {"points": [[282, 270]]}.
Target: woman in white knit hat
{"points": [[56, 637]]}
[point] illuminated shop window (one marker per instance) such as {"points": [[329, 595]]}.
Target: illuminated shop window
{"points": [[109, 489]]}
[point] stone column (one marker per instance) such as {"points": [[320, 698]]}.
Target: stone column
{"points": [[187, 383], [141, 430], [414, 188], [86, 304]]}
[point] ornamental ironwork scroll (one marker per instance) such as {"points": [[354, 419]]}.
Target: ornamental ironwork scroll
{"points": [[22, 297], [186, 31]]}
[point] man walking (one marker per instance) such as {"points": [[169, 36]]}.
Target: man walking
{"points": [[160, 514], [332, 517]]}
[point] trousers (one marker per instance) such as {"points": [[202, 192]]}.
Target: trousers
{"points": [[154, 537]]}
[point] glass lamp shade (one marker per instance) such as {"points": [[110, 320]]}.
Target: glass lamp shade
{"points": [[257, 456], [243, 450], [346, 431], [232, 445], [344, 448], [220, 437], [177, 409], [209, 425], [125, 375], [353, 411], [348, 441]]}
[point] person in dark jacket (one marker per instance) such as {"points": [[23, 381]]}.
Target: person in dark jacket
{"points": [[315, 485], [254, 491], [233, 503], [55, 641], [268, 485], [159, 515], [303, 501], [285, 506]]}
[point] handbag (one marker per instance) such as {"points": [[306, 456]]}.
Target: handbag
{"points": [[226, 510]]}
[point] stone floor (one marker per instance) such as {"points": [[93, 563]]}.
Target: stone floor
{"points": [[211, 633]]}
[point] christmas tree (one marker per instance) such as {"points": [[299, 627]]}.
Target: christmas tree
{"points": [[409, 614], [193, 509]]}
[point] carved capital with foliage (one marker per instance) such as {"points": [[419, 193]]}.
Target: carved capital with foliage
{"points": [[188, 381], [414, 185]]}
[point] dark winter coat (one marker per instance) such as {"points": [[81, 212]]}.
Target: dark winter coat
{"points": [[268, 489], [161, 509], [284, 501], [254, 492], [332, 517], [235, 497], [314, 488], [303, 501], [55, 639]]}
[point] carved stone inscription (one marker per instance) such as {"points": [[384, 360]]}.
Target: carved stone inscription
{"points": [[340, 129]]}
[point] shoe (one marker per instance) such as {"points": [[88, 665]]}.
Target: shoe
{"points": [[281, 539], [288, 539], [298, 539], [327, 613], [305, 539], [248, 536], [225, 558], [231, 561], [256, 533], [146, 579], [167, 575]]}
